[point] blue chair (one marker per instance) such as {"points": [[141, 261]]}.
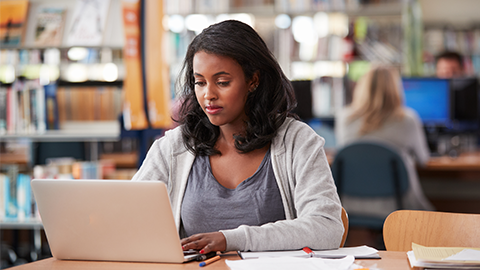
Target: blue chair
{"points": [[369, 169]]}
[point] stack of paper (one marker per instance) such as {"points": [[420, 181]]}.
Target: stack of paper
{"points": [[362, 252], [444, 257], [281, 263]]}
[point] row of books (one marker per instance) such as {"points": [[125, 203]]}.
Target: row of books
{"points": [[16, 197], [87, 27], [466, 42], [89, 103], [27, 107], [23, 108]]}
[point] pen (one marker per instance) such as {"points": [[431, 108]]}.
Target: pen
{"points": [[309, 251], [203, 257], [209, 261]]}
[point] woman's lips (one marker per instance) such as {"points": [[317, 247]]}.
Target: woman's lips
{"points": [[213, 109]]}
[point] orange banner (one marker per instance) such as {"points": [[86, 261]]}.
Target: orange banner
{"points": [[133, 111], [156, 69]]}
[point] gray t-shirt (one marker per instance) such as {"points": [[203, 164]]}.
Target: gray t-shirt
{"points": [[209, 207]]}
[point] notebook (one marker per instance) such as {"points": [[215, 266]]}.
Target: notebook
{"points": [[109, 220]]}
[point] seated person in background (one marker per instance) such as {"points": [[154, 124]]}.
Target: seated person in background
{"points": [[377, 113], [241, 171], [449, 64]]}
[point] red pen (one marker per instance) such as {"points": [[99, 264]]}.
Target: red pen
{"points": [[309, 251]]}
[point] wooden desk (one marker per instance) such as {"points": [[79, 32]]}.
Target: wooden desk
{"points": [[468, 161], [393, 260]]}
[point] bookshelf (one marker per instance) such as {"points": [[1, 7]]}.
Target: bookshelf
{"points": [[89, 107]]}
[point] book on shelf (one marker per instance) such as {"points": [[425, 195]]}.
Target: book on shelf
{"points": [[9, 187], [3, 198], [24, 197], [3, 110], [16, 195], [13, 18], [9, 196], [88, 26], [25, 107], [51, 107], [49, 27]]}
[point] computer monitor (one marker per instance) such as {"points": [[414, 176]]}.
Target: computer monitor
{"points": [[464, 92], [303, 94], [430, 97]]}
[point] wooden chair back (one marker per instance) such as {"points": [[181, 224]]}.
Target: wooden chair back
{"points": [[345, 226], [430, 228]]}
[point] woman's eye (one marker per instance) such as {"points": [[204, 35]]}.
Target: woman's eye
{"points": [[200, 83], [224, 83]]}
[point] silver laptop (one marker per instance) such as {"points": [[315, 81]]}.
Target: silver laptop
{"points": [[109, 220]]}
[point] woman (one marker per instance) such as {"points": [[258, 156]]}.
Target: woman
{"points": [[377, 113], [242, 173]]}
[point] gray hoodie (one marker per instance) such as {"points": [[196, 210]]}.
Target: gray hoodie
{"points": [[310, 199]]}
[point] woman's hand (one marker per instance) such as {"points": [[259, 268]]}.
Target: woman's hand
{"points": [[205, 242]]}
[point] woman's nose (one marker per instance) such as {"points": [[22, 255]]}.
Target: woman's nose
{"points": [[210, 92]]}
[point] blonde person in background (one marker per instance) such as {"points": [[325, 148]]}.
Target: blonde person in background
{"points": [[377, 113]]}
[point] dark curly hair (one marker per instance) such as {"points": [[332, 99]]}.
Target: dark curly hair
{"points": [[266, 108]]}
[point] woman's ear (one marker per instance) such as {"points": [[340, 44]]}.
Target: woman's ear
{"points": [[253, 85]]}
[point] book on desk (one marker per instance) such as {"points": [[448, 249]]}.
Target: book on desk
{"points": [[444, 257]]}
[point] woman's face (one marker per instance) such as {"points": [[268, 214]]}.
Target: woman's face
{"points": [[221, 89]]}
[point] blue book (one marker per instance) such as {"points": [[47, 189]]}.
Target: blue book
{"points": [[10, 198], [51, 106], [24, 197]]}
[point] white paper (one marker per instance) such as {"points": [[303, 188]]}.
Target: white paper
{"points": [[465, 255], [361, 251], [411, 258], [281, 263], [354, 251]]}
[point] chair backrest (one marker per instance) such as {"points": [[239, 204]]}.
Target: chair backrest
{"points": [[370, 169], [430, 228], [345, 226]]}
